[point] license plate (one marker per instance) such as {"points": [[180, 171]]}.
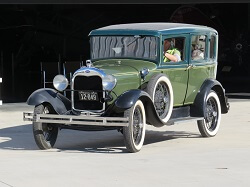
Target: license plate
{"points": [[88, 96]]}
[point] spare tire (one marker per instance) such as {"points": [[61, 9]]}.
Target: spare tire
{"points": [[160, 89]]}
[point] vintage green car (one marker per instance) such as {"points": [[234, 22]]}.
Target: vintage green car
{"points": [[139, 74]]}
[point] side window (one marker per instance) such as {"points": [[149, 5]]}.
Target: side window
{"points": [[212, 47], [198, 47], [173, 49]]}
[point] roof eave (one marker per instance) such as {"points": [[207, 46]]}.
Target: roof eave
{"points": [[123, 32]]}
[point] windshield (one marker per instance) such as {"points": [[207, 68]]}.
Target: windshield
{"points": [[141, 47]]}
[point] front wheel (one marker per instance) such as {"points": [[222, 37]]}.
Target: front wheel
{"points": [[209, 126], [160, 90], [134, 134], [45, 134]]}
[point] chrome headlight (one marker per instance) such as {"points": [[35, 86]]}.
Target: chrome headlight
{"points": [[108, 82], [60, 82]]}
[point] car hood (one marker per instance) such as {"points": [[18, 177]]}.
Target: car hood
{"points": [[126, 72], [116, 67]]}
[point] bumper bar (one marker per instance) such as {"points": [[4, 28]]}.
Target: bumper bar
{"points": [[76, 120]]}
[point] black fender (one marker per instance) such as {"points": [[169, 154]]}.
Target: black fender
{"points": [[129, 98], [59, 102], [198, 107]]}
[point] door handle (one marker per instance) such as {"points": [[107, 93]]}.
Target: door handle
{"points": [[190, 66]]}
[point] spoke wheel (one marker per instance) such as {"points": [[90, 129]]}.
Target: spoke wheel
{"points": [[211, 114], [210, 125], [45, 134], [134, 134], [161, 92], [137, 125], [162, 99]]}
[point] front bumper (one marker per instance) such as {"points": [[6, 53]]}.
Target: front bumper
{"points": [[77, 120]]}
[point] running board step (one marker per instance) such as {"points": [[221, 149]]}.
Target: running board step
{"points": [[183, 120]]}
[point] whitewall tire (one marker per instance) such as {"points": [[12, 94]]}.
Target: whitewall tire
{"points": [[134, 134], [160, 89], [210, 125]]}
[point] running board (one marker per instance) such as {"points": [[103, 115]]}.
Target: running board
{"points": [[183, 120], [182, 115]]}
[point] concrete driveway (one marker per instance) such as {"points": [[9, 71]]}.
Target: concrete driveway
{"points": [[171, 156]]}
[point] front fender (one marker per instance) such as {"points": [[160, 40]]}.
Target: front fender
{"points": [[129, 98], [59, 102], [198, 108]]}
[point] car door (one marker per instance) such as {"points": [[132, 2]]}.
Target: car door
{"points": [[177, 71], [201, 66]]}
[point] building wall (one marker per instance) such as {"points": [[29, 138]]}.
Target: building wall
{"points": [[31, 34]]}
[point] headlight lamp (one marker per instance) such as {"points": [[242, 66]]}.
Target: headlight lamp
{"points": [[108, 82], [60, 82]]}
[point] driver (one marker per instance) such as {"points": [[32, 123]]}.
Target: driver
{"points": [[171, 54]]}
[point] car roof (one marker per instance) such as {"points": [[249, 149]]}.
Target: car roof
{"points": [[157, 29]]}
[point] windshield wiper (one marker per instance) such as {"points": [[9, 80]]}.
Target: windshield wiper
{"points": [[136, 38]]}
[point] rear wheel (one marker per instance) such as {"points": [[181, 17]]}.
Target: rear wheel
{"points": [[134, 134], [211, 123], [45, 134]]}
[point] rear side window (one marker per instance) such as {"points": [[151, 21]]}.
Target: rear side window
{"points": [[212, 47], [198, 47]]}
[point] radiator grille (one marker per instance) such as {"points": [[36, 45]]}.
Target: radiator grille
{"points": [[84, 83]]}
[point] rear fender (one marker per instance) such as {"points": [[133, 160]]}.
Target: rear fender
{"points": [[198, 108], [59, 102]]}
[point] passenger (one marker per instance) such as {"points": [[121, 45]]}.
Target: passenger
{"points": [[197, 53], [171, 54]]}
